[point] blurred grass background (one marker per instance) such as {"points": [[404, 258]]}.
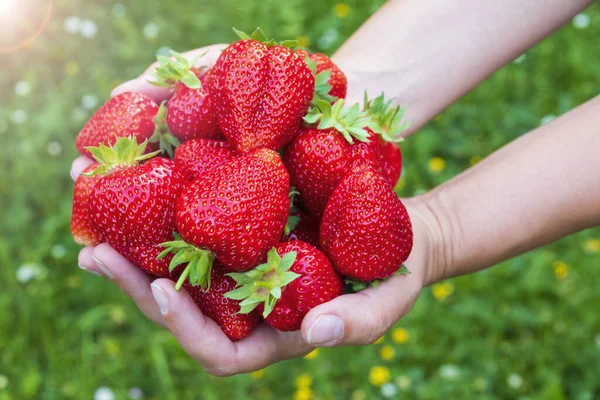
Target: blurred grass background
{"points": [[528, 328]]}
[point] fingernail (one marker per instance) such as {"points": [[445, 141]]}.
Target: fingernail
{"points": [[327, 328], [161, 298], [105, 271], [89, 270], [73, 177]]}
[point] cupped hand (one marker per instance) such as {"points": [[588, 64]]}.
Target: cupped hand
{"points": [[352, 319]]}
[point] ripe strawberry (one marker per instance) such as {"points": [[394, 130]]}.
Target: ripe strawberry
{"points": [[220, 309], [295, 279], [320, 156], [366, 230], [125, 115], [336, 79], [133, 204], [190, 111], [261, 92], [386, 122], [198, 156], [82, 228], [235, 212]]}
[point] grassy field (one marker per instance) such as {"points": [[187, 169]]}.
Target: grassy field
{"points": [[528, 328]]}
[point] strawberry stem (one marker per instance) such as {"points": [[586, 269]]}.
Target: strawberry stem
{"points": [[386, 118], [124, 153], [175, 69], [199, 262], [260, 36], [349, 121]]}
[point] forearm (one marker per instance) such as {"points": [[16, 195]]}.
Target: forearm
{"points": [[539, 188], [428, 53]]}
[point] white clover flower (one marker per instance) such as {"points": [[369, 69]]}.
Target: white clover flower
{"points": [[521, 59], [514, 381], [3, 382], [547, 118], [582, 21], [89, 101], [136, 393], [389, 390], [118, 10], [88, 28], [449, 372], [22, 88], [58, 251], [150, 30], [54, 148], [18, 116], [29, 272], [104, 393], [72, 24]]}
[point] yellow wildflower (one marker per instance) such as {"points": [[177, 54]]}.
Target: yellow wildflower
{"points": [[379, 376], [72, 68], [387, 352], [313, 354], [561, 269], [303, 394], [592, 245], [441, 291], [304, 381], [400, 335], [257, 374], [341, 10], [437, 164]]}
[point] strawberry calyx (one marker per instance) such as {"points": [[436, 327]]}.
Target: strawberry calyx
{"points": [[260, 36], [322, 86], [177, 68], [199, 262], [263, 284], [124, 153], [386, 118], [293, 219], [357, 285], [162, 135], [349, 121]]}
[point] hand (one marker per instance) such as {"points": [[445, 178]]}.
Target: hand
{"points": [[353, 319]]}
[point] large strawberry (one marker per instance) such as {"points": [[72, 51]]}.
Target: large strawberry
{"points": [[261, 92], [334, 77], [83, 230], [190, 111], [366, 230], [133, 204], [386, 122], [224, 311], [296, 278], [320, 156], [125, 115], [198, 156], [235, 213]]}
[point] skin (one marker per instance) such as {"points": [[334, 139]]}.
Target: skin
{"points": [[545, 184]]}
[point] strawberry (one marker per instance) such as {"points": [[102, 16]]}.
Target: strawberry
{"points": [[82, 228], [320, 156], [125, 115], [190, 111], [220, 309], [235, 213], [198, 156], [386, 122], [133, 204], [296, 278], [261, 92], [366, 230], [335, 78]]}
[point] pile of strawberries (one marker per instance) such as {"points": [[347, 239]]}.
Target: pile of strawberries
{"points": [[267, 194]]}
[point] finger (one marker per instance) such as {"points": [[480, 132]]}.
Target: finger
{"points": [[361, 318], [128, 277], [158, 94], [78, 165], [204, 340]]}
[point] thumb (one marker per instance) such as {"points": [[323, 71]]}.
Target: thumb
{"points": [[363, 317]]}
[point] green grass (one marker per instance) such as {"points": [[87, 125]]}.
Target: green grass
{"points": [[513, 331]]}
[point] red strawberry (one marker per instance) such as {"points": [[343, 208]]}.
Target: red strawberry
{"points": [[133, 204], [305, 228], [125, 115], [261, 92], [295, 279], [82, 228], [386, 121], [235, 212], [198, 156], [319, 157], [366, 230], [220, 309], [336, 79], [190, 112]]}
